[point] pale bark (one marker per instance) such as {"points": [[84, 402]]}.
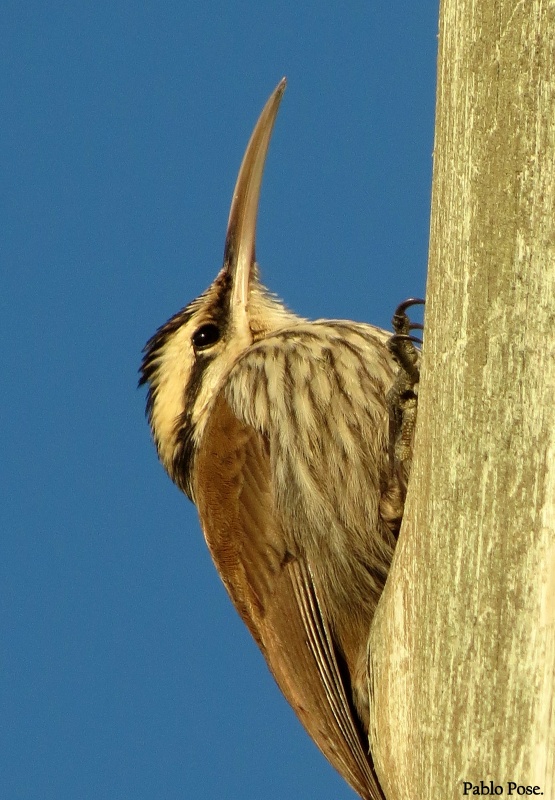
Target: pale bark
{"points": [[462, 652]]}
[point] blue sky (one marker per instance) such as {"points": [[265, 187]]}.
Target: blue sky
{"points": [[125, 671]]}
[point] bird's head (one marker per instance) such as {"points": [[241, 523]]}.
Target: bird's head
{"points": [[188, 358]]}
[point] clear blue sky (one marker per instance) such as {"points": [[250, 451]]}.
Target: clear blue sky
{"points": [[125, 672]]}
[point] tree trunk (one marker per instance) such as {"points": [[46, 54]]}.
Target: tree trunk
{"points": [[462, 650]]}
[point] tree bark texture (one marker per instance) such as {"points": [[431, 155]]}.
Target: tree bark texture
{"points": [[462, 650]]}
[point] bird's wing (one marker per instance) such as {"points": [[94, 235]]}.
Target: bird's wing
{"points": [[274, 590]]}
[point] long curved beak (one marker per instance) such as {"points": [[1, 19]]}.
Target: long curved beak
{"points": [[239, 253]]}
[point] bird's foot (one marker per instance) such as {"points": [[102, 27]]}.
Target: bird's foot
{"points": [[402, 399]]}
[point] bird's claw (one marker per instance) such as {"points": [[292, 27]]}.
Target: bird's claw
{"points": [[401, 344]]}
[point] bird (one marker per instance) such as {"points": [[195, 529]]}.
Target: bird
{"points": [[278, 429]]}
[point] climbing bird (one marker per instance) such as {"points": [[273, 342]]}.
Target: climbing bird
{"points": [[277, 428]]}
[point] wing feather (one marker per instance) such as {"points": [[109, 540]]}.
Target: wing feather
{"points": [[274, 590]]}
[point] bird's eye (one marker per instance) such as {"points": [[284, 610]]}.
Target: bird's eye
{"points": [[205, 336]]}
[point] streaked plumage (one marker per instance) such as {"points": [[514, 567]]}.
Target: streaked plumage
{"points": [[277, 428]]}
